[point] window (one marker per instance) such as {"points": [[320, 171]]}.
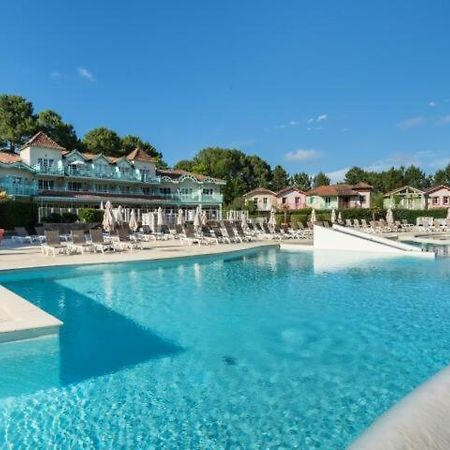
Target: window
{"points": [[311, 200], [445, 200], [297, 201], [435, 200], [265, 201], [146, 191], [101, 187], [73, 186], [327, 201], [16, 180], [186, 191], [208, 191], [284, 200], [362, 199], [45, 185], [165, 191], [45, 164]]}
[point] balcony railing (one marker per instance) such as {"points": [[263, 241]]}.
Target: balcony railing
{"points": [[84, 172], [17, 188]]}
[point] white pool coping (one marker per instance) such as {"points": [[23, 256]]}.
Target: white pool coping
{"points": [[420, 421], [20, 319]]}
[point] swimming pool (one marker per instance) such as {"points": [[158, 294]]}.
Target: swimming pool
{"points": [[269, 349]]}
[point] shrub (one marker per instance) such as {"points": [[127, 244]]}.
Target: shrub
{"points": [[52, 218], [69, 217], [15, 213], [411, 215], [90, 215]]}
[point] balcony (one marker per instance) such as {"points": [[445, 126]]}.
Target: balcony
{"points": [[85, 172], [14, 188]]}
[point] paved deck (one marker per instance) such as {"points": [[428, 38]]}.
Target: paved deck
{"points": [[21, 257]]}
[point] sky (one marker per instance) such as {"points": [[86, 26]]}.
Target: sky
{"points": [[311, 85]]}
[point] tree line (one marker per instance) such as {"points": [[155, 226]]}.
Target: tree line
{"points": [[242, 172], [18, 122]]}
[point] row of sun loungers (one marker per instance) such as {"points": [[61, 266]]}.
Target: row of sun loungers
{"points": [[381, 226]]}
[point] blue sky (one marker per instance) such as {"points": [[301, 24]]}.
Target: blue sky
{"points": [[309, 85]]}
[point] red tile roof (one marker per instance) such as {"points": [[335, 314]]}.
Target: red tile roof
{"points": [[437, 188], [289, 189], [9, 158], [339, 190], [139, 155], [40, 139], [260, 190]]}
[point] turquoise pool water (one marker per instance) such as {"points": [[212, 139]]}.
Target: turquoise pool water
{"points": [[267, 350]]}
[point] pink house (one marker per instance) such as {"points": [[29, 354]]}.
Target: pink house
{"points": [[438, 197], [291, 198]]}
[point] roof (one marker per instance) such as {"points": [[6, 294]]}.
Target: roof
{"points": [[40, 139], [178, 173], [403, 188], [362, 185], [9, 158], [289, 189], [260, 190], [139, 155], [333, 190], [437, 188]]}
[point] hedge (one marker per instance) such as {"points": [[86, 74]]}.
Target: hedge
{"points": [[90, 215], [412, 214], [16, 213]]}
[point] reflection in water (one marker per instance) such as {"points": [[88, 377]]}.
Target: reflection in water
{"points": [[94, 341], [29, 367], [332, 261]]}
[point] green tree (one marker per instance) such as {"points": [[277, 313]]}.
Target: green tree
{"points": [[52, 124], [416, 177], [130, 142], [258, 172], [442, 176], [393, 178], [301, 180], [103, 140], [184, 164], [355, 175], [17, 122], [280, 178], [321, 180]]}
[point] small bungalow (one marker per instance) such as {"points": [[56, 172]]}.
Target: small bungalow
{"points": [[291, 198], [406, 197], [340, 196], [263, 199], [438, 197]]}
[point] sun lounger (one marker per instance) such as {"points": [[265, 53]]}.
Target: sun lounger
{"points": [[98, 241], [53, 243], [191, 237], [122, 241], [22, 236], [78, 242]]}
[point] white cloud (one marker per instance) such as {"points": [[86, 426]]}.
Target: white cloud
{"points": [[293, 123], [302, 155], [412, 122], [55, 74], [319, 118], [444, 120], [432, 104], [85, 73]]}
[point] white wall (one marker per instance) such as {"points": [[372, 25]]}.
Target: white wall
{"points": [[30, 155], [333, 239]]}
